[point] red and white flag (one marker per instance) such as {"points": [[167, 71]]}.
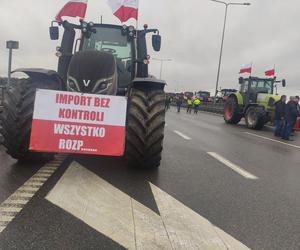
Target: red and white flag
{"points": [[270, 72], [124, 9], [73, 8], [246, 68]]}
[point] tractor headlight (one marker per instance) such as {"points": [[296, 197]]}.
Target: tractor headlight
{"points": [[84, 25], [102, 85], [58, 54], [72, 84]]}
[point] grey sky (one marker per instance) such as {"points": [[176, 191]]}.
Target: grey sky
{"points": [[265, 33]]}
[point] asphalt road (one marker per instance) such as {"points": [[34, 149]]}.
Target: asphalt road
{"points": [[244, 182]]}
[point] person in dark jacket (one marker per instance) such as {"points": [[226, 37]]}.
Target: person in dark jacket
{"points": [[279, 115], [179, 103], [168, 102], [291, 114], [298, 109]]}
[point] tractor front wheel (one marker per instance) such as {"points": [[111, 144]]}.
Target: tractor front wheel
{"points": [[145, 128], [255, 117], [231, 111], [16, 118]]}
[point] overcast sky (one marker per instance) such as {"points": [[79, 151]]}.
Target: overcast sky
{"points": [[265, 33]]}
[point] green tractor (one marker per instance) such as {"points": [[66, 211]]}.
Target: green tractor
{"points": [[255, 101], [106, 60]]}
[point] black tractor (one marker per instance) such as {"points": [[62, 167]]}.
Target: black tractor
{"points": [[105, 59]]}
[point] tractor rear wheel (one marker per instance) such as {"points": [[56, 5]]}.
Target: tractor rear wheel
{"points": [[145, 128], [231, 111], [255, 117], [16, 118]]}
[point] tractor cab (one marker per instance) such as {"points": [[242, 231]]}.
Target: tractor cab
{"points": [[117, 41], [251, 87], [123, 46]]}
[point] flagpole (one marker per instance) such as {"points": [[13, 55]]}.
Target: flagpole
{"points": [[137, 19], [251, 69]]}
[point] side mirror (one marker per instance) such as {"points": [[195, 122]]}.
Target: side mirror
{"points": [[241, 80], [283, 83], [54, 32], [156, 42]]}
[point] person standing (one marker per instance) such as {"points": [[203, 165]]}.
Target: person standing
{"points": [[179, 103], [189, 105], [197, 103], [279, 115], [298, 109], [168, 102], [291, 115]]}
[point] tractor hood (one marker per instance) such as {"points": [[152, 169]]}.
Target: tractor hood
{"points": [[267, 100], [92, 71]]}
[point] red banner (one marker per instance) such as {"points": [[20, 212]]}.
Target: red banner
{"points": [[78, 123]]}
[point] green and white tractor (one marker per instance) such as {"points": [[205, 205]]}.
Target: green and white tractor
{"points": [[255, 101]]}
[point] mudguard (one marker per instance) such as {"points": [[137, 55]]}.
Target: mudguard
{"points": [[41, 74], [149, 82], [239, 97]]}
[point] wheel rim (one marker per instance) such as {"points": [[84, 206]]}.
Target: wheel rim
{"points": [[228, 111], [252, 117]]}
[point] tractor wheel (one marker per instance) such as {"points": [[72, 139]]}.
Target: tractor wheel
{"points": [[231, 111], [145, 128], [255, 117], [16, 118]]}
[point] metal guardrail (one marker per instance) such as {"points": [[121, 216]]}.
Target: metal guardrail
{"points": [[213, 108], [208, 107]]}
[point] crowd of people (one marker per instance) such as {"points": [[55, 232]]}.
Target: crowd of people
{"points": [[191, 104], [286, 114]]}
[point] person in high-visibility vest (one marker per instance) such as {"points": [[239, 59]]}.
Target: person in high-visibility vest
{"points": [[197, 103], [189, 105]]}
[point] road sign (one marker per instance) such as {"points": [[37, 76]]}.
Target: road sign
{"points": [[12, 44], [78, 123]]}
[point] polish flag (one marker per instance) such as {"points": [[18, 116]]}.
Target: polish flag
{"points": [[124, 9], [246, 68], [73, 8], [270, 72]]}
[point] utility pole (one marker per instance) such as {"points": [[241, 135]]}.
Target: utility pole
{"points": [[10, 45], [222, 41]]}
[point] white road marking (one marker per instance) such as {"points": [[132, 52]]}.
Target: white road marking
{"points": [[128, 222], [16, 202], [108, 210], [233, 166], [11, 209], [189, 230], [273, 140], [182, 135]]}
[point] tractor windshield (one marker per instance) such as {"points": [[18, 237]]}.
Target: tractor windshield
{"points": [[262, 86], [111, 40]]}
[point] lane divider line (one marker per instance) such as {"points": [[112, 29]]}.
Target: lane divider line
{"points": [[273, 140], [233, 166], [14, 204], [182, 135]]}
